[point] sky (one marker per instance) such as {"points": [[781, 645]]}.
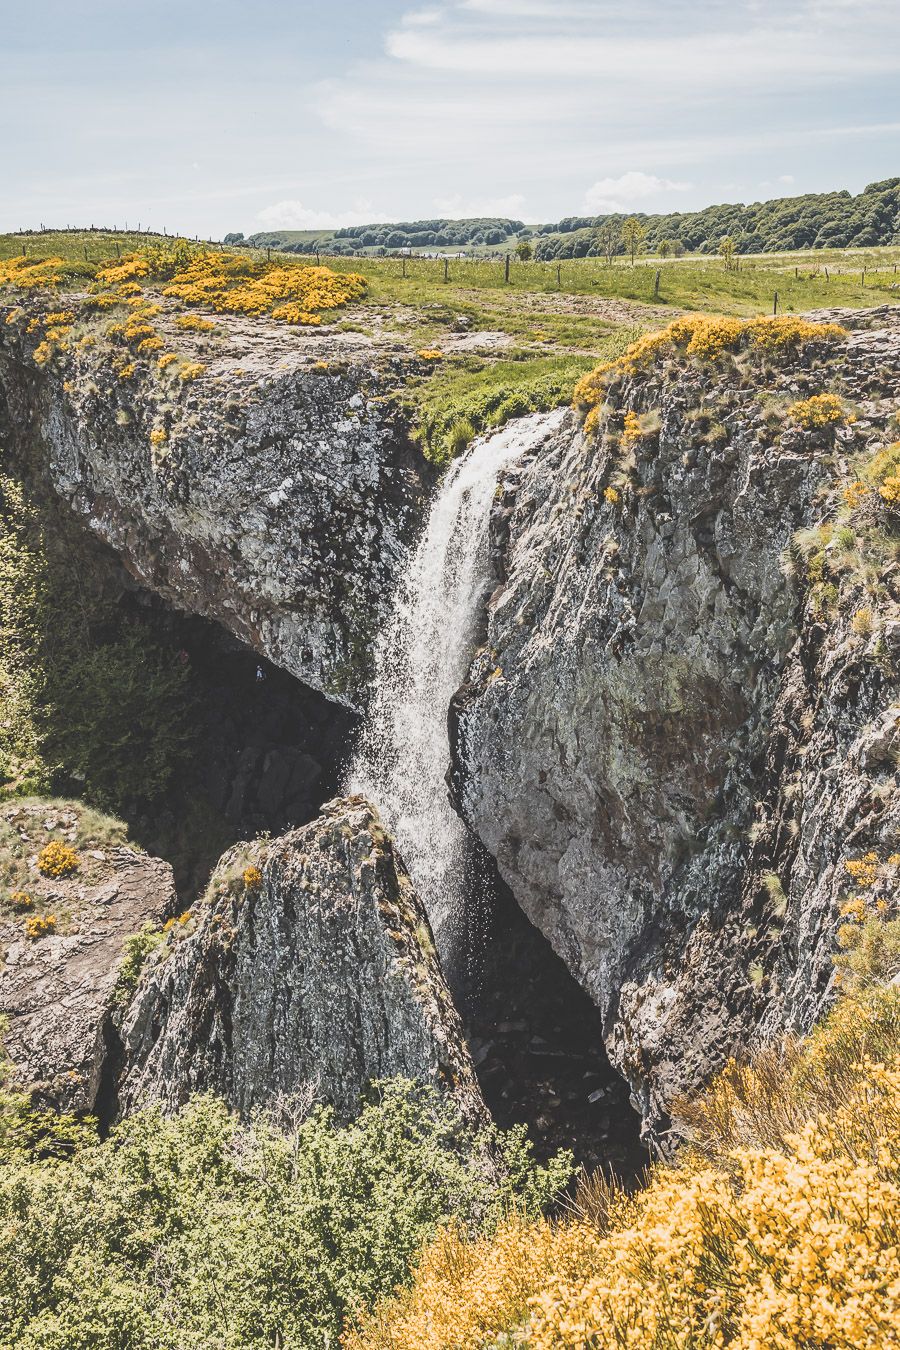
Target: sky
{"points": [[201, 118]]}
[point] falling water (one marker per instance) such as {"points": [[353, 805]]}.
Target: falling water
{"points": [[420, 662]]}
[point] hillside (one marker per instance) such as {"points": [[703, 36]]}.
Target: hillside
{"points": [[825, 220]]}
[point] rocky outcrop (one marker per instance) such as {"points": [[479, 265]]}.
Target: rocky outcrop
{"points": [[275, 494], [315, 976], [666, 745], [58, 988]]}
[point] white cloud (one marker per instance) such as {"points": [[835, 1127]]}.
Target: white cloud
{"points": [[292, 215], [628, 190], [459, 208]]}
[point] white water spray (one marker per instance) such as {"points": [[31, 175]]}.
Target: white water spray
{"points": [[420, 662]]}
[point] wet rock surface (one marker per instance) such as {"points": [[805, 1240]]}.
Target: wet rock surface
{"points": [[316, 978], [658, 717]]}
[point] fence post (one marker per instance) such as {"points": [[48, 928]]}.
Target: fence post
{"points": [[403, 260], [827, 278], [318, 264], [558, 276], [775, 310], [506, 278], [656, 284], [446, 270]]}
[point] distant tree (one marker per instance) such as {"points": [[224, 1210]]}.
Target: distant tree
{"points": [[677, 248], [608, 238], [234, 238], [524, 250], [727, 252], [632, 234], [664, 248]]}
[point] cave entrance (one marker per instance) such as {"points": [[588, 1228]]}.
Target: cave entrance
{"points": [[537, 1038], [268, 751]]}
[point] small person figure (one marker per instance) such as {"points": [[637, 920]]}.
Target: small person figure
{"points": [[260, 674]]}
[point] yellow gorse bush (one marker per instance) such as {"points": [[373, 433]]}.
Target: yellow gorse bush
{"points": [[28, 274], [234, 285], [822, 410], [252, 877], [39, 925], [114, 274], [57, 859], [706, 337], [780, 1228], [801, 1250]]}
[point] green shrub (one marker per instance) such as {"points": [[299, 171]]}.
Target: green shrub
{"points": [[87, 693], [195, 1231], [137, 948]]}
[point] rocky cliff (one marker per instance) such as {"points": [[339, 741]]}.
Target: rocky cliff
{"points": [[679, 727], [63, 933], [312, 972], [272, 492]]}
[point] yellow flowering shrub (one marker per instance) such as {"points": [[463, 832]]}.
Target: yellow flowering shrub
{"points": [[39, 925], [166, 360], [800, 1251], [294, 312], [252, 878], [125, 372], [158, 436], [465, 1292], [21, 900], [855, 493], [778, 1229], [611, 496], [191, 371], [57, 859], [150, 344], [29, 274], [113, 274], [195, 323], [234, 284], [864, 870], [430, 354], [706, 337], [632, 429], [822, 410]]}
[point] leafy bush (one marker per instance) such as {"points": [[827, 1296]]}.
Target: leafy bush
{"points": [[137, 948], [86, 693], [195, 1231]]}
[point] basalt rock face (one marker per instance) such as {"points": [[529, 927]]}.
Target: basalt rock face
{"points": [[279, 501], [316, 981], [669, 743]]}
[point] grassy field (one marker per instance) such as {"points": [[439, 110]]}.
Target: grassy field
{"points": [[810, 280]]}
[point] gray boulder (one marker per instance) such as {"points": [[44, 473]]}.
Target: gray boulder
{"points": [[316, 981]]}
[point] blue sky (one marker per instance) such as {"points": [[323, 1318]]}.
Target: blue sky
{"points": [[203, 118]]}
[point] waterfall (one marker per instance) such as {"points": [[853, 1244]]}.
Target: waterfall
{"points": [[420, 661]]}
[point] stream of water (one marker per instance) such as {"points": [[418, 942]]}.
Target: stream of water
{"points": [[421, 660]]}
